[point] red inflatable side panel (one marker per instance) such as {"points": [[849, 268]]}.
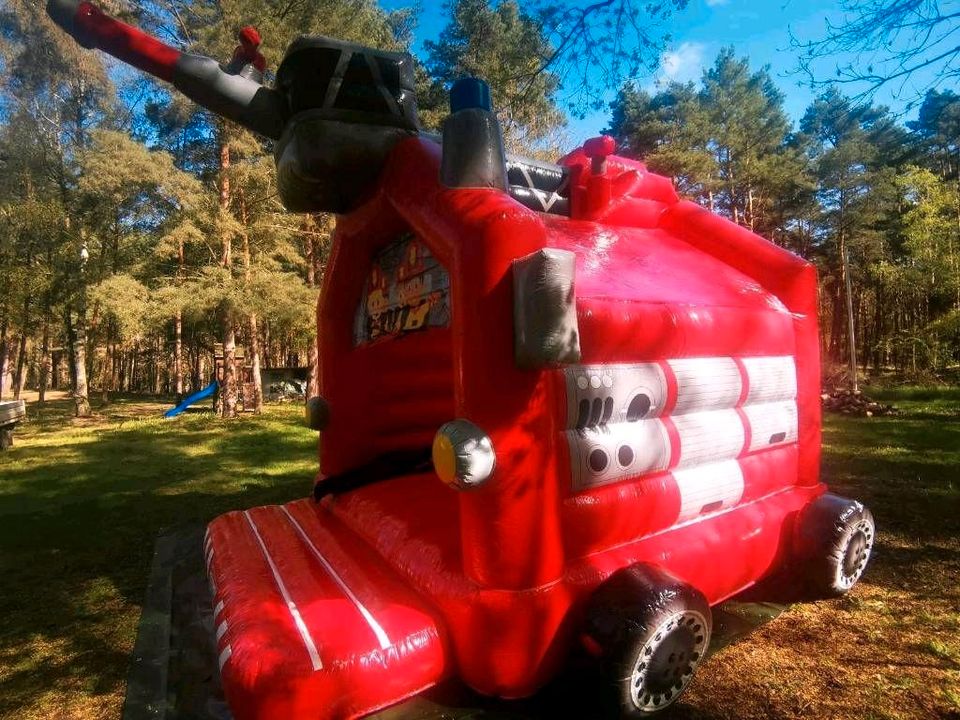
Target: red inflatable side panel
{"points": [[476, 235], [792, 280], [699, 552]]}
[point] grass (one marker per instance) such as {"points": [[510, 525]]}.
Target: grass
{"points": [[81, 503], [891, 648]]}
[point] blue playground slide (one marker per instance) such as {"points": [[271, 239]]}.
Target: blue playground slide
{"points": [[191, 399]]}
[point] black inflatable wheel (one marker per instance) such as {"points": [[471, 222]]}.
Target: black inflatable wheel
{"points": [[836, 538], [653, 631]]}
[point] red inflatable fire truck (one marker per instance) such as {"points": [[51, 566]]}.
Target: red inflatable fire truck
{"points": [[561, 407]]}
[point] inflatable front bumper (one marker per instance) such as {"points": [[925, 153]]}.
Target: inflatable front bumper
{"points": [[310, 622]]}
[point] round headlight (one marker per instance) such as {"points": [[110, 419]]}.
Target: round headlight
{"points": [[463, 455]]}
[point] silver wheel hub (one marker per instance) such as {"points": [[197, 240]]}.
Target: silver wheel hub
{"points": [[856, 554], [666, 663]]}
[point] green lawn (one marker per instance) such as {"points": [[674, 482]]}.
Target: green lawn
{"points": [[891, 649], [81, 504]]}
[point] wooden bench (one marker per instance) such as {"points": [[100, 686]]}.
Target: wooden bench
{"points": [[10, 414]]}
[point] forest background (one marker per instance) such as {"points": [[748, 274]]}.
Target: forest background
{"points": [[138, 232]]}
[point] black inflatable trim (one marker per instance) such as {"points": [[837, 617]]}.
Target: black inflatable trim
{"points": [[824, 533], [624, 613]]}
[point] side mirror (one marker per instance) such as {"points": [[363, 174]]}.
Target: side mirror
{"points": [[317, 413]]}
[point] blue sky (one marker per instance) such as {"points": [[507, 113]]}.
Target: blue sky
{"points": [[759, 29]]}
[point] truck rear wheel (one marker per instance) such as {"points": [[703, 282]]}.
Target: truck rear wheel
{"points": [[836, 538], [652, 632]]}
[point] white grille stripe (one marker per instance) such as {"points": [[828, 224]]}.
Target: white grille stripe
{"points": [[709, 383], [291, 605], [708, 488], [771, 424], [771, 379], [709, 436], [378, 631]]}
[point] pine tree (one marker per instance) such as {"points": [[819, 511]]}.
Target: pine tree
{"points": [[669, 131], [726, 144], [850, 148], [507, 49], [57, 93]]}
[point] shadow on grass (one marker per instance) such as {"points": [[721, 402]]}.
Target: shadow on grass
{"points": [[78, 521]]}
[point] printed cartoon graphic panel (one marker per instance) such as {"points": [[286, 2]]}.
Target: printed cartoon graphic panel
{"points": [[406, 290]]}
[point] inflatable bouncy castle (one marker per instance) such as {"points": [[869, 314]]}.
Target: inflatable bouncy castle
{"points": [[562, 409]]}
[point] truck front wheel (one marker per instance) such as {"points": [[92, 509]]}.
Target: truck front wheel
{"points": [[652, 631]]}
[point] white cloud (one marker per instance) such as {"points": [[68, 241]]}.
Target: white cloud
{"points": [[683, 64]]}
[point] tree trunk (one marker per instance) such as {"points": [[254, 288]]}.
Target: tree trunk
{"points": [[196, 372], [3, 351], [21, 359], [178, 356], [227, 396], [253, 342], [115, 368], [851, 336], [134, 377], [45, 365], [254, 350], [122, 365], [80, 391], [178, 332], [956, 186], [834, 346], [313, 359], [107, 369], [22, 352]]}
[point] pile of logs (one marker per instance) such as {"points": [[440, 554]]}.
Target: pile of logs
{"points": [[854, 402]]}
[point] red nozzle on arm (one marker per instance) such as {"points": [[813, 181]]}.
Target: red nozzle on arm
{"points": [[201, 79], [92, 28]]}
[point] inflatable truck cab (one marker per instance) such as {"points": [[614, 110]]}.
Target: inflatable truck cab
{"points": [[674, 422]]}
